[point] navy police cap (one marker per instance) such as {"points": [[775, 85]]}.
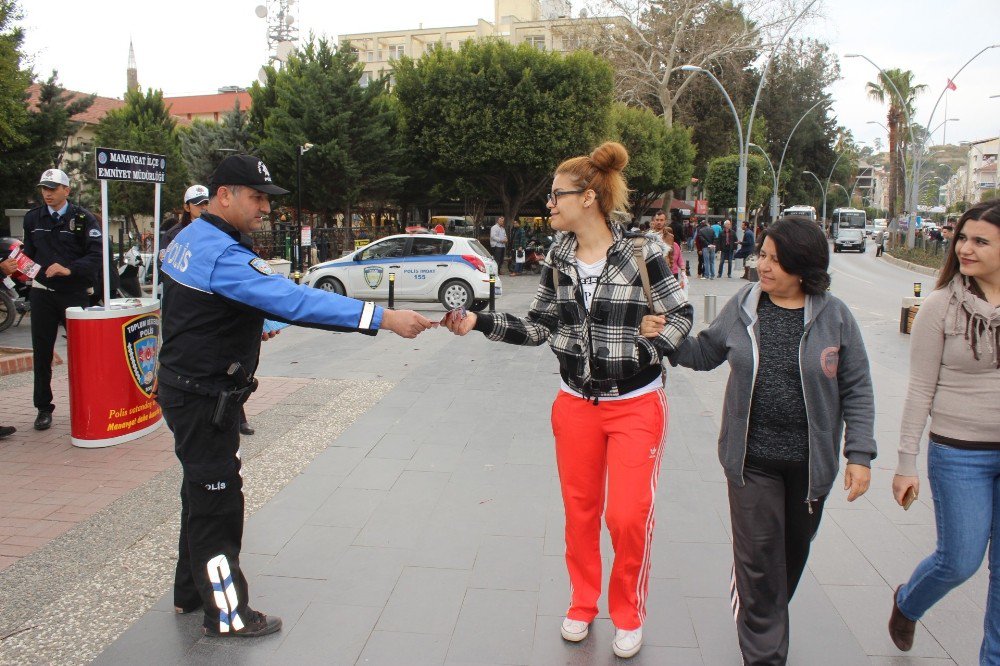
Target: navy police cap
{"points": [[245, 170]]}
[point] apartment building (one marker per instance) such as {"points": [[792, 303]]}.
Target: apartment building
{"points": [[546, 25]]}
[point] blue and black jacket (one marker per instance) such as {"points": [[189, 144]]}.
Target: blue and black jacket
{"points": [[216, 294]]}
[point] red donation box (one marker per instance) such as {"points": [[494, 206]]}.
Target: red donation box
{"points": [[112, 364]]}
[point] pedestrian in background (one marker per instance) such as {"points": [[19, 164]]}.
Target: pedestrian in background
{"points": [[727, 247], [498, 243], [216, 294], [798, 374], [610, 415], [955, 379], [519, 242], [706, 235], [66, 241], [746, 245]]}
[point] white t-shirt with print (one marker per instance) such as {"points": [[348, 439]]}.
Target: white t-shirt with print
{"points": [[589, 276]]}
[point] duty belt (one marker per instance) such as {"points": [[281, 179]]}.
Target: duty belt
{"points": [[183, 383]]}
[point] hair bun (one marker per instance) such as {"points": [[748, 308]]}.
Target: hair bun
{"points": [[610, 156]]}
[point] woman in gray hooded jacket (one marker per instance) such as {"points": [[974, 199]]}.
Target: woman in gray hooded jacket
{"points": [[798, 374]]}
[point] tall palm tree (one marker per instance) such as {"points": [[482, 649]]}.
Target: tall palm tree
{"points": [[883, 91]]}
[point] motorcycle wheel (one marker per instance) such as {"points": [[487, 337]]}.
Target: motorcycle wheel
{"points": [[7, 311]]}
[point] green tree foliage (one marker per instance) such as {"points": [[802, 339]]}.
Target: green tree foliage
{"points": [[47, 130], [143, 125], [721, 182], [317, 98], [205, 143], [14, 79], [502, 117], [660, 159]]}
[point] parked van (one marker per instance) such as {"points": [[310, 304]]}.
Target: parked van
{"points": [[454, 225]]}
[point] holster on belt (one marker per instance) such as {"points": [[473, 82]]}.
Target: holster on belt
{"points": [[227, 405]]}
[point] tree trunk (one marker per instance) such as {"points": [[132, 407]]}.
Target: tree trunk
{"points": [[893, 161]]}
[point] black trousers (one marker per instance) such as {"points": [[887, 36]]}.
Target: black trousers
{"points": [[772, 530], [498, 256], [724, 256], [211, 531], [48, 312]]}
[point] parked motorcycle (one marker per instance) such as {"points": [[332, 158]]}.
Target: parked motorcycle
{"points": [[534, 254], [14, 290], [130, 272]]}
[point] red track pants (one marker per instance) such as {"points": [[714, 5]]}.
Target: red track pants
{"points": [[614, 445]]}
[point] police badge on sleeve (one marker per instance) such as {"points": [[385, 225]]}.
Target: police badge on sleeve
{"points": [[141, 336], [261, 266]]}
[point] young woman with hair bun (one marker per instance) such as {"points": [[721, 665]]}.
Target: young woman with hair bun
{"points": [[610, 413]]}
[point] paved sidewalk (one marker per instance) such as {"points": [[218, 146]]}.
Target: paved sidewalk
{"points": [[48, 486], [427, 528]]}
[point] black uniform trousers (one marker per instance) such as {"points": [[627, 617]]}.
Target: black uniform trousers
{"points": [[48, 312], [772, 530], [211, 531]]}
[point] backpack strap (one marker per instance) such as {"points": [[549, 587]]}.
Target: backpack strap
{"points": [[637, 244]]}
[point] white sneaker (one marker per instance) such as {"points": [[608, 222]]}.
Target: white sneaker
{"points": [[627, 643], [574, 630]]}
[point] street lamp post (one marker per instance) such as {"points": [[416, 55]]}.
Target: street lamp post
{"points": [[784, 150], [774, 177], [822, 191], [741, 186], [919, 148], [302, 150]]}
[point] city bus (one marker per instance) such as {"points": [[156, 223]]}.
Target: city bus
{"points": [[847, 218], [801, 211]]}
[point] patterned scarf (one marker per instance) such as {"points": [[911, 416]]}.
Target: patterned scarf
{"points": [[982, 320]]}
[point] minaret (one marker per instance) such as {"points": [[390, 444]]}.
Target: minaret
{"points": [[133, 75]]}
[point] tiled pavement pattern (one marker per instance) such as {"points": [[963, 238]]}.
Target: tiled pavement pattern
{"points": [[430, 530], [48, 486]]}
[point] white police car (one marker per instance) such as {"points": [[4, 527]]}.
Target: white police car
{"points": [[451, 270]]}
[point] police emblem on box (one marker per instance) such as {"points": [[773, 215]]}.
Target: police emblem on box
{"points": [[373, 276], [141, 336]]}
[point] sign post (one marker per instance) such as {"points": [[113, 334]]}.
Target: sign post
{"points": [[113, 351], [135, 167]]}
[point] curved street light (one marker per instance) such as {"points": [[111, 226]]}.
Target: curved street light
{"points": [[774, 178], [822, 189], [784, 150]]}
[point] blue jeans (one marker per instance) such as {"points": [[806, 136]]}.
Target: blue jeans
{"points": [[708, 258], [966, 487]]}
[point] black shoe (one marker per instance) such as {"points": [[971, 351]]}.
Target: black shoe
{"points": [[246, 429], [43, 421], [255, 624], [7, 431], [184, 610], [901, 628]]}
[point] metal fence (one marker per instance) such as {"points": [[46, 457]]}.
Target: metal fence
{"points": [[935, 248], [327, 243]]}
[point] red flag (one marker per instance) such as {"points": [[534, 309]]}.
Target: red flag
{"points": [[951, 85]]}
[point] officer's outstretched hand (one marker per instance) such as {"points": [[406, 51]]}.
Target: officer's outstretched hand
{"points": [[405, 323]]}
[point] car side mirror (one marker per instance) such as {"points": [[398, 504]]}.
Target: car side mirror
{"points": [[357, 257]]}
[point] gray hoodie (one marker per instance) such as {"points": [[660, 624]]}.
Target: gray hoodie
{"points": [[836, 383]]}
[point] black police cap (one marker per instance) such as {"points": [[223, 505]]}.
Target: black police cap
{"points": [[245, 170]]}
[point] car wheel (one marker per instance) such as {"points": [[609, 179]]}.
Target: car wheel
{"points": [[456, 294], [331, 284], [479, 305]]}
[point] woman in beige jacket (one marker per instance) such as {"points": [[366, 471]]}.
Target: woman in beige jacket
{"points": [[955, 378]]}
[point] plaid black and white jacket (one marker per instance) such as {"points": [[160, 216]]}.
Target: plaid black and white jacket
{"points": [[600, 352]]}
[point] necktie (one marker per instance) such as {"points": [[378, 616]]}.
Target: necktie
{"points": [[55, 218]]}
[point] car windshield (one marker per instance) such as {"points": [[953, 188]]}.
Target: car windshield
{"points": [[480, 250]]}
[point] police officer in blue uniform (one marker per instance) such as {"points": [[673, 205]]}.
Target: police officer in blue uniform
{"points": [[65, 240], [216, 295]]}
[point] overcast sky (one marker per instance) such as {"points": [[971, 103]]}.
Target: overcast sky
{"points": [[191, 47]]}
